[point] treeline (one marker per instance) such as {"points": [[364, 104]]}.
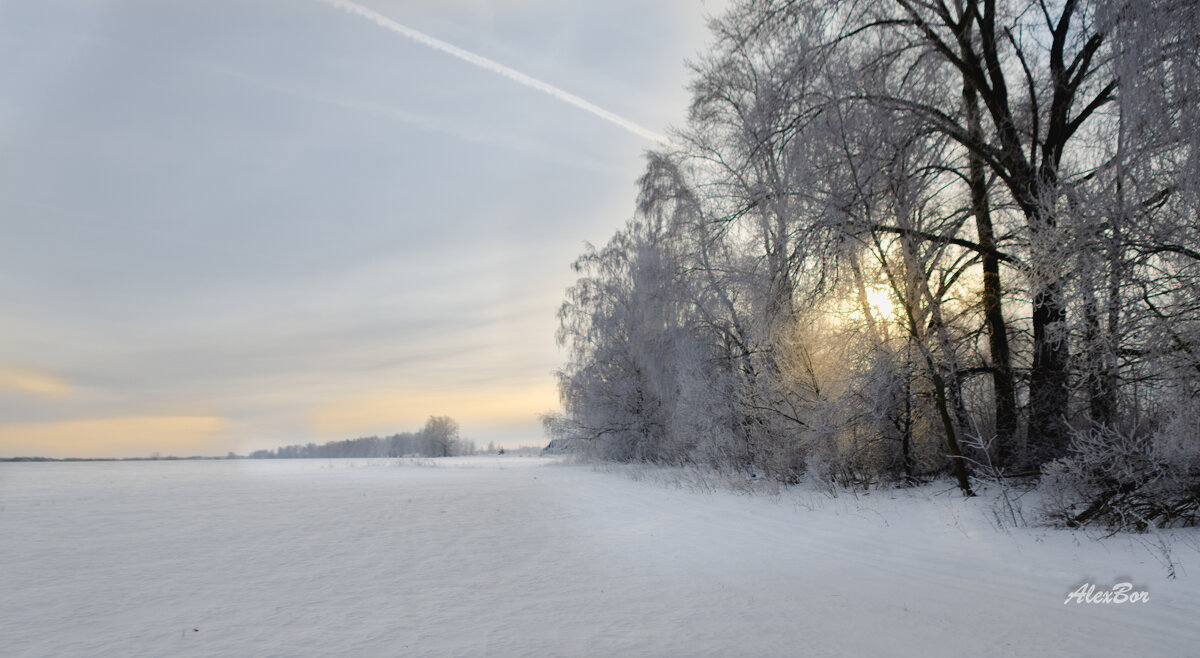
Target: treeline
{"points": [[439, 438], [898, 240]]}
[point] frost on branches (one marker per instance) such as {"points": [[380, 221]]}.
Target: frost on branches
{"points": [[899, 240]]}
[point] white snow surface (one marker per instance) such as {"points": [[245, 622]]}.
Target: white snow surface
{"points": [[520, 556]]}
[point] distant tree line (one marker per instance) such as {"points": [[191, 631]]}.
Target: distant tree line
{"points": [[439, 438]]}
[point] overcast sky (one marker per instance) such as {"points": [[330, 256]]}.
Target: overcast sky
{"points": [[239, 224]]}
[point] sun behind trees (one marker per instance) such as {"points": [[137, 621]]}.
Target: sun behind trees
{"points": [[903, 239]]}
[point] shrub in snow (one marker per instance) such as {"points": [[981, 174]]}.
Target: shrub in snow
{"points": [[1128, 479]]}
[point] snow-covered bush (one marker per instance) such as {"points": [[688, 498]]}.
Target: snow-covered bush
{"points": [[1126, 479]]}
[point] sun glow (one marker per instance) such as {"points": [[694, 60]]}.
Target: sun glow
{"points": [[879, 299]]}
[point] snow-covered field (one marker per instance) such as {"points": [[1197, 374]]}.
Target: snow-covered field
{"points": [[521, 556]]}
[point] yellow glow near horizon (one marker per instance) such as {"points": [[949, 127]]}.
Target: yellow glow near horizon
{"points": [[33, 383], [131, 436], [407, 410]]}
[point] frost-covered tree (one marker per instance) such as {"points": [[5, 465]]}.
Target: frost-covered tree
{"points": [[1019, 179], [441, 435], [622, 327]]}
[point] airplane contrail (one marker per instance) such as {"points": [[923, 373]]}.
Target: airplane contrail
{"points": [[494, 67]]}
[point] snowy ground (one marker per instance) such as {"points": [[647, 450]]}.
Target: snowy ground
{"points": [[519, 556]]}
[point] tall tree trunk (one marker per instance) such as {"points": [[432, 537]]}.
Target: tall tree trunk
{"points": [[1033, 179], [1048, 392], [1106, 375], [1003, 388], [1101, 396], [917, 287], [906, 432], [957, 462]]}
